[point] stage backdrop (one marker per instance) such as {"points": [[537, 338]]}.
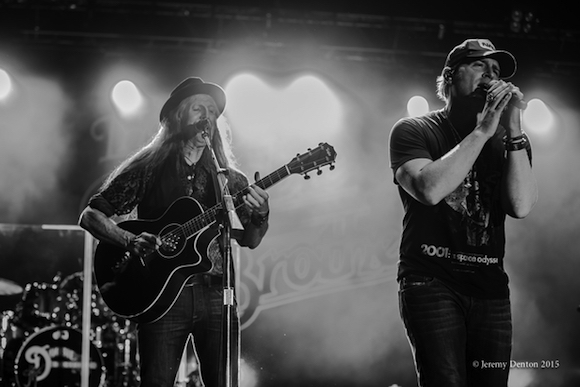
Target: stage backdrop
{"points": [[318, 298]]}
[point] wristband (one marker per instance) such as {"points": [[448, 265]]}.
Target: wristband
{"points": [[517, 143]]}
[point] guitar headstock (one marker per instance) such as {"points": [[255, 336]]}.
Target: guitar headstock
{"points": [[316, 158]]}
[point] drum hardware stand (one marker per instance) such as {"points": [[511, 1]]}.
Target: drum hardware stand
{"points": [[126, 374], [86, 320], [87, 293], [32, 377]]}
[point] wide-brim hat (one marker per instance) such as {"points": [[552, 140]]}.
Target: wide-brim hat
{"points": [[483, 48], [192, 86]]}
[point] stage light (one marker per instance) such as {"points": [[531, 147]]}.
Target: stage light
{"points": [[5, 85], [516, 20], [530, 22], [441, 32], [299, 113], [127, 98], [523, 20], [517, 15], [538, 119], [417, 106], [249, 376]]}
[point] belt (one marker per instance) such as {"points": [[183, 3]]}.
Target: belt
{"points": [[205, 279]]}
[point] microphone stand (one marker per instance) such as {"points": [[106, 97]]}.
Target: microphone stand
{"points": [[229, 221]]}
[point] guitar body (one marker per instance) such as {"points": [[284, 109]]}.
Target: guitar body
{"points": [[144, 289]]}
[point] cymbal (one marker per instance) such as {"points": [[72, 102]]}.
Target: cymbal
{"points": [[8, 288]]}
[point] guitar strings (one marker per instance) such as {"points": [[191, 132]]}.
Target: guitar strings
{"points": [[192, 226]]}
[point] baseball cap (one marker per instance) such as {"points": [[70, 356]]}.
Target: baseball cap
{"points": [[483, 48]]}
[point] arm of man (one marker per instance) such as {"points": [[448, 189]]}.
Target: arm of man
{"points": [[256, 201], [105, 229], [430, 181], [519, 188]]}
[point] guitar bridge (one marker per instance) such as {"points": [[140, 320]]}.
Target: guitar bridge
{"points": [[122, 263]]}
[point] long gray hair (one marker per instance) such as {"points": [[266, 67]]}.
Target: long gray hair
{"points": [[169, 140]]}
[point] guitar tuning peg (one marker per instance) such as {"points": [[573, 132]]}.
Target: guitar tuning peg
{"points": [[319, 172], [331, 167], [306, 177]]}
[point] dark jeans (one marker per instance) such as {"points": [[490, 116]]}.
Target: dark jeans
{"points": [[457, 341], [198, 310]]}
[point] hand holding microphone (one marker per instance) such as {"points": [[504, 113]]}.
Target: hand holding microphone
{"points": [[518, 102], [504, 101], [515, 101]]}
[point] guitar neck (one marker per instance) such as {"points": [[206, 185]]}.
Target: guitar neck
{"points": [[194, 225], [322, 155], [263, 183]]}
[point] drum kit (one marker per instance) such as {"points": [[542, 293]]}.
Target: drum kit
{"points": [[41, 339]]}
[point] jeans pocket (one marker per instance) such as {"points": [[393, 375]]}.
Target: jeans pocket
{"points": [[414, 280]]}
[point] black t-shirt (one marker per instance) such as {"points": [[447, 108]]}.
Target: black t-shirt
{"points": [[461, 240]]}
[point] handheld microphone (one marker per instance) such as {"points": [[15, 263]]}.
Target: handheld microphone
{"points": [[515, 101]]}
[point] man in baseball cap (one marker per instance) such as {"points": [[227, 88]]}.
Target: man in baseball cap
{"points": [[460, 172]]}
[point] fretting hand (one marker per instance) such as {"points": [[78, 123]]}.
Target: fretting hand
{"points": [[256, 200]]}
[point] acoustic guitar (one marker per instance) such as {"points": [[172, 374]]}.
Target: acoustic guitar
{"points": [[143, 289]]}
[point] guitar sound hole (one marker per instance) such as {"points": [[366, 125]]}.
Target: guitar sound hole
{"points": [[170, 242]]}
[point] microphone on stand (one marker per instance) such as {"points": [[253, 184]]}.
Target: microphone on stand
{"points": [[202, 126], [235, 224], [191, 130]]}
